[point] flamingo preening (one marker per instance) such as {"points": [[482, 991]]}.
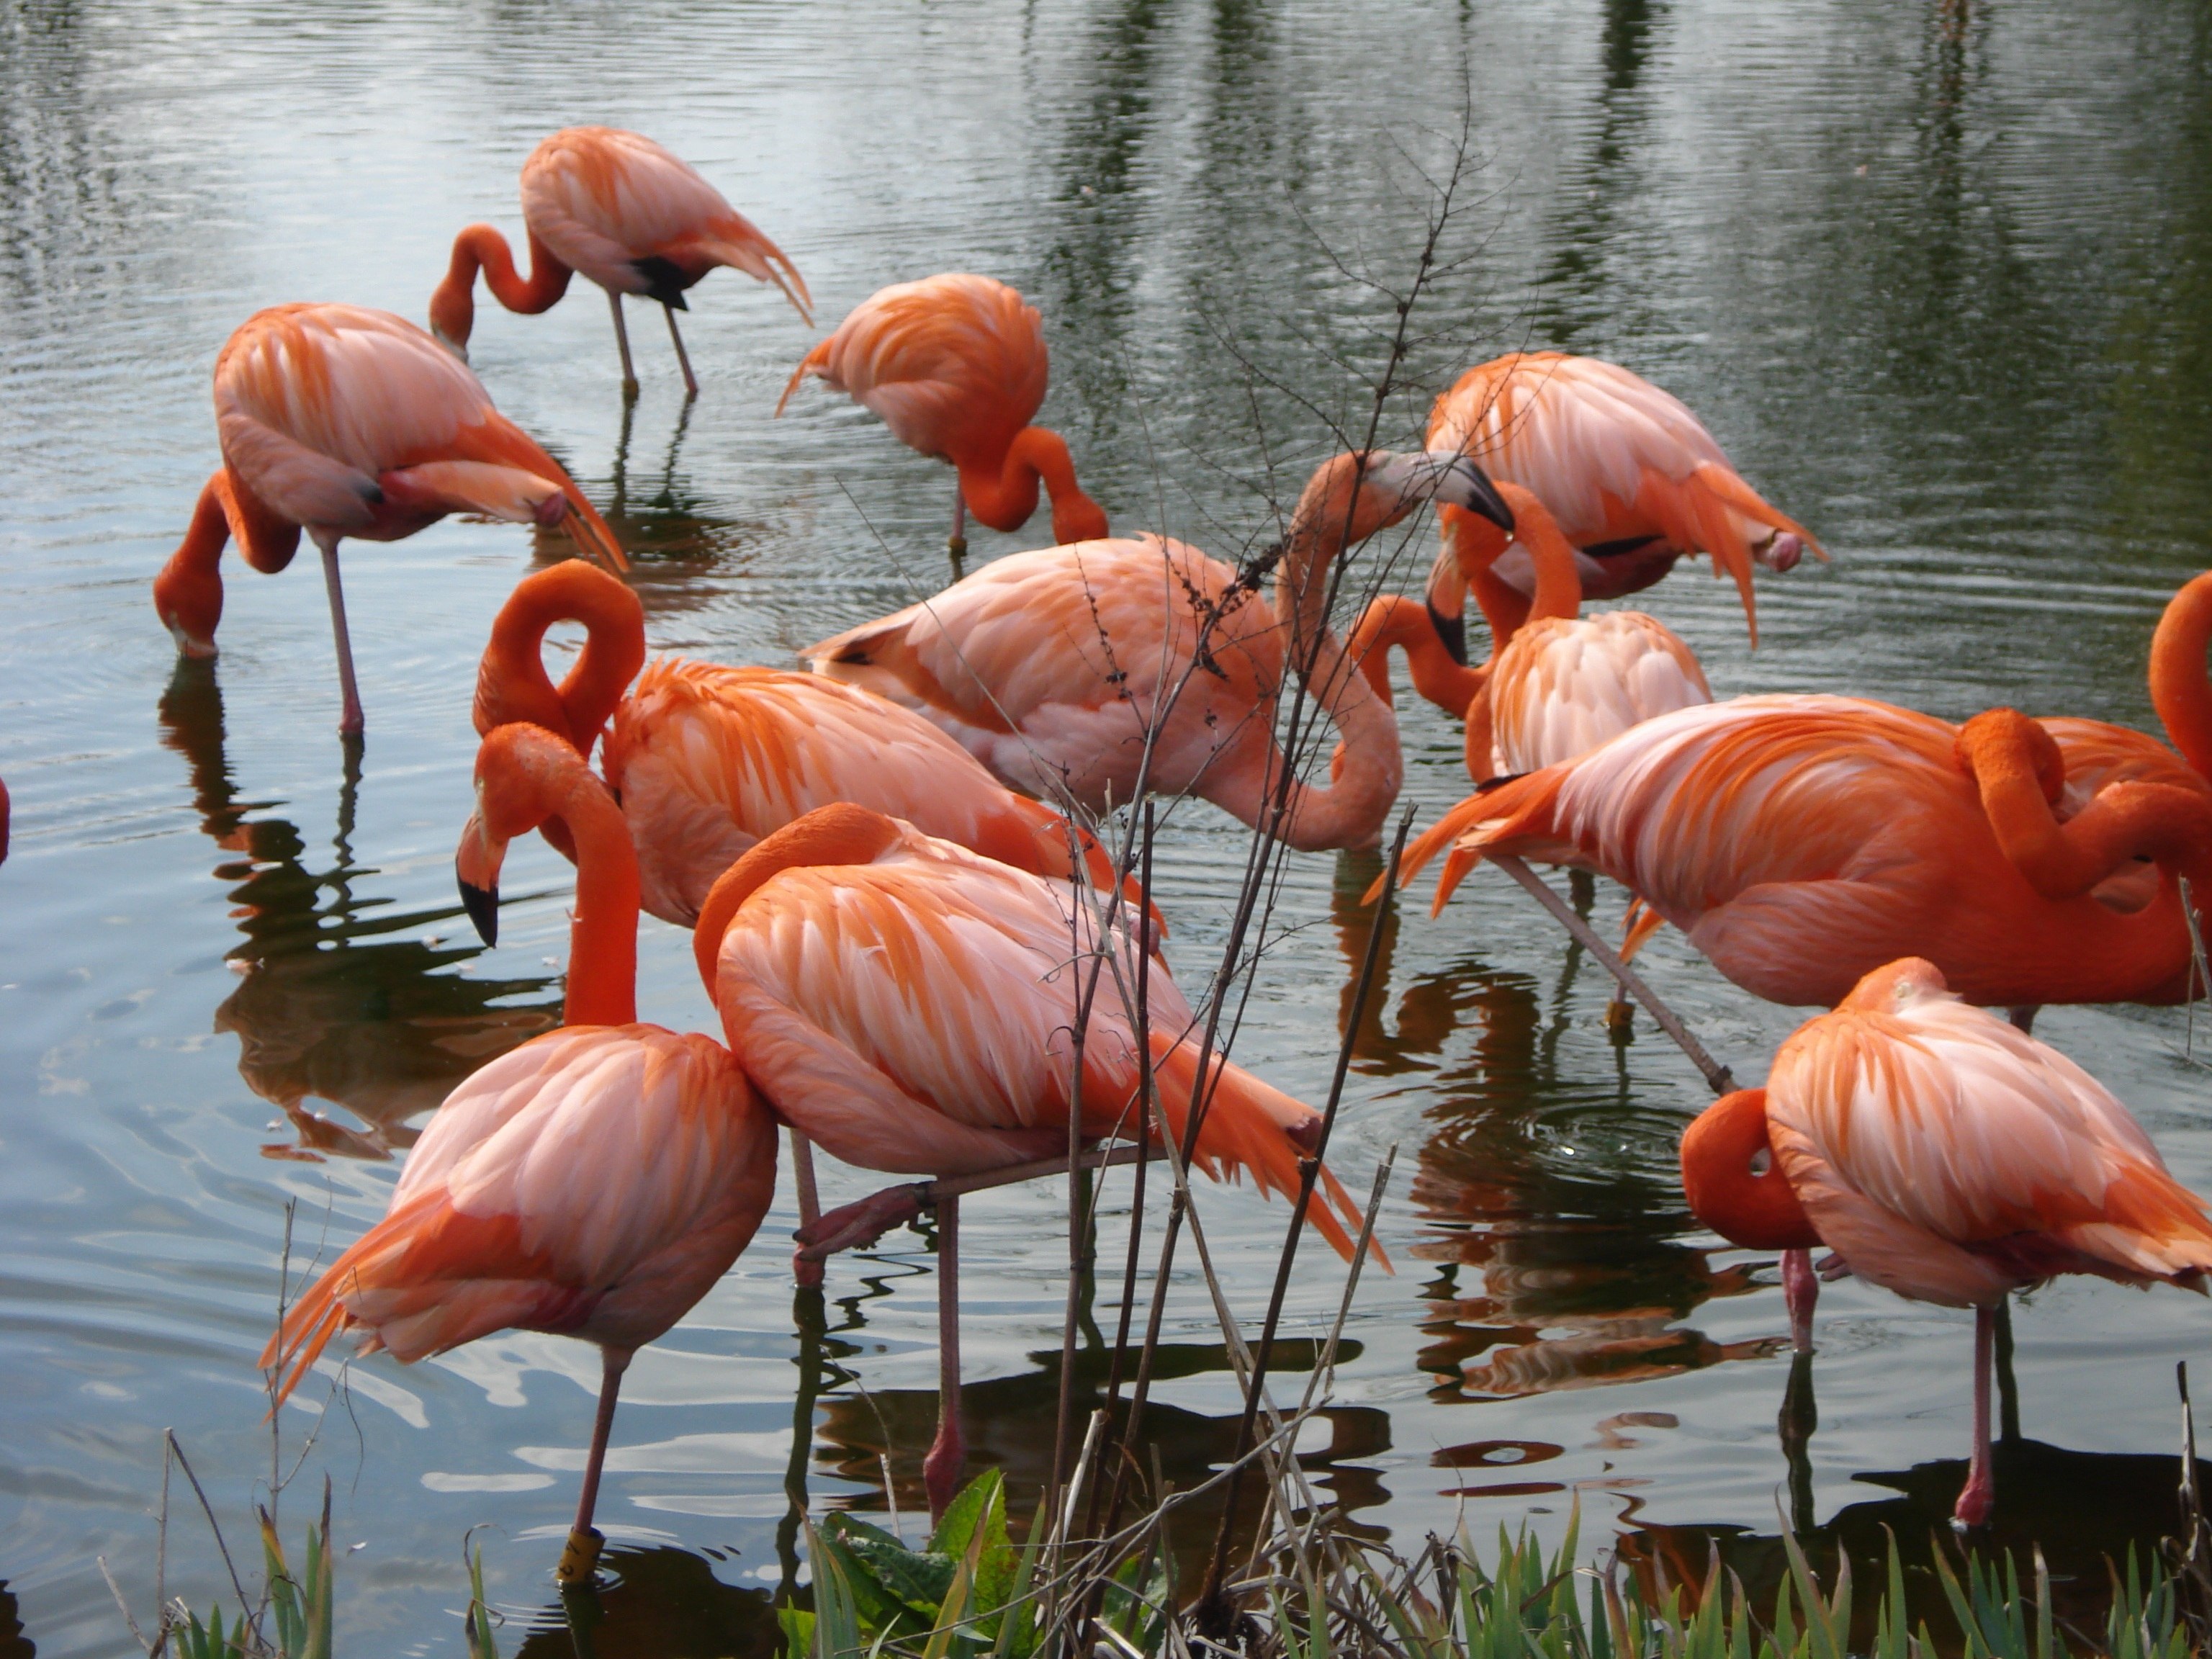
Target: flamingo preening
{"points": [[349, 423], [1946, 1155], [955, 365], [594, 1182], [910, 1007], [633, 216], [1802, 841], [1088, 672]]}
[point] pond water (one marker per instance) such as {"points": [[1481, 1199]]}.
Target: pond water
{"points": [[1938, 275]]}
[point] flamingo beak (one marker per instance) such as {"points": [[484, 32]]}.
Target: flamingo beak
{"points": [[1446, 603], [476, 869], [1456, 481]]}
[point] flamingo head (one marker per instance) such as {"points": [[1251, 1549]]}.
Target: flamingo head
{"points": [[1898, 986], [526, 777], [453, 314], [189, 601], [1735, 1184]]}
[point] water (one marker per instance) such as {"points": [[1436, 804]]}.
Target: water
{"points": [[1935, 276]]}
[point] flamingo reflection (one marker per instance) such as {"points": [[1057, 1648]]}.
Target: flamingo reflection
{"points": [[340, 998]]}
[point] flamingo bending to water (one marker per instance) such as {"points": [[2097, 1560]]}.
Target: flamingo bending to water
{"points": [[908, 1005], [345, 422], [633, 216], [706, 760], [1947, 1156], [1633, 478], [955, 365], [1089, 671], [594, 1182]]}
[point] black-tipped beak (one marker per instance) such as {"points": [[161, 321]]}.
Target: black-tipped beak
{"points": [[1482, 497], [482, 905], [1452, 630]]}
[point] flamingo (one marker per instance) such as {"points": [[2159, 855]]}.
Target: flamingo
{"points": [[633, 216], [594, 1182], [955, 366], [1633, 478], [1092, 670], [908, 1005], [346, 421], [1946, 1155], [706, 760]]}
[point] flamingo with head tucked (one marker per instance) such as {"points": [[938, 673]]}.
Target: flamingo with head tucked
{"points": [[594, 1182], [1089, 672], [632, 216], [349, 423], [1946, 1155], [909, 1006], [955, 365]]}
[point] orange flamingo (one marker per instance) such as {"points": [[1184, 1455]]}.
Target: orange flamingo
{"points": [[594, 1182], [908, 1005], [1632, 476], [632, 216], [706, 760], [1089, 673], [955, 366], [1946, 1155], [346, 421]]}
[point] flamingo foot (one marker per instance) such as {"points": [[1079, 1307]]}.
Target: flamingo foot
{"points": [[1977, 1498], [851, 1226], [941, 1467]]}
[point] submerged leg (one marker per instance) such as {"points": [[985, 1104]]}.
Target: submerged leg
{"points": [[350, 721], [581, 1556], [683, 357], [621, 343], [1801, 1290], [806, 1270], [956, 544], [1979, 1497], [940, 1469]]}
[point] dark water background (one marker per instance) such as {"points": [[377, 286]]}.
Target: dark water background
{"points": [[1935, 275]]}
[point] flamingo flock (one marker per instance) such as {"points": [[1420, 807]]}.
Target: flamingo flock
{"points": [[890, 856]]}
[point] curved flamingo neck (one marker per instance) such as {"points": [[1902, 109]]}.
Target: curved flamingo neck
{"points": [[1558, 582], [837, 834], [1395, 619], [481, 248], [2180, 690], [1758, 1209], [1005, 495], [512, 684], [188, 593]]}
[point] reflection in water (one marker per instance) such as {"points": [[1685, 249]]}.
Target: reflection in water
{"points": [[338, 998], [14, 1644], [660, 1603]]}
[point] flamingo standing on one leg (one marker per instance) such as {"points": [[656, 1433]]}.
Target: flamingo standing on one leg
{"points": [[633, 217], [1802, 841], [1632, 476], [345, 422], [594, 1182], [1089, 672], [1945, 1156], [955, 366], [909, 1006]]}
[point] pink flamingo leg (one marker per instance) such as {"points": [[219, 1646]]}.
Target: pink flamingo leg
{"points": [[940, 1469], [1801, 1288], [956, 544], [690, 380], [1979, 1497], [581, 1557], [621, 343], [351, 722], [806, 1270]]}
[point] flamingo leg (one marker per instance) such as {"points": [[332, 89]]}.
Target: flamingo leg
{"points": [[621, 343], [1979, 1497], [351, 722], [2023, 1018], [940, 1469], [1801, 1290], [581, 1556], [956, 544], [690, 380], [806, 1270], [1799, 1417]]}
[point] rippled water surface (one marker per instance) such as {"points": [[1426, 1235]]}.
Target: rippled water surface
{"points": [[1935, 275]]}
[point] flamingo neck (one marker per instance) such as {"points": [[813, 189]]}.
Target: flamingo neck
{"points": [[512, 684], [838, 834], [1005, 495], [1733, 1182], [2180, 690], [603, 939], [1559, 583], [453, 306], [1395, 619], [188, 593]]}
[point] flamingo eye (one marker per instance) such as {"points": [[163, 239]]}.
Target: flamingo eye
{"points": [[1762, 1161]]}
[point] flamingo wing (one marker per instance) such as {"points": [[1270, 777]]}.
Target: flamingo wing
{"points": [[1564, 687]]}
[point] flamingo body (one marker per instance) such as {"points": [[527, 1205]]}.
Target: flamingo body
{"points": [[1562, 686], [955, 366]]}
